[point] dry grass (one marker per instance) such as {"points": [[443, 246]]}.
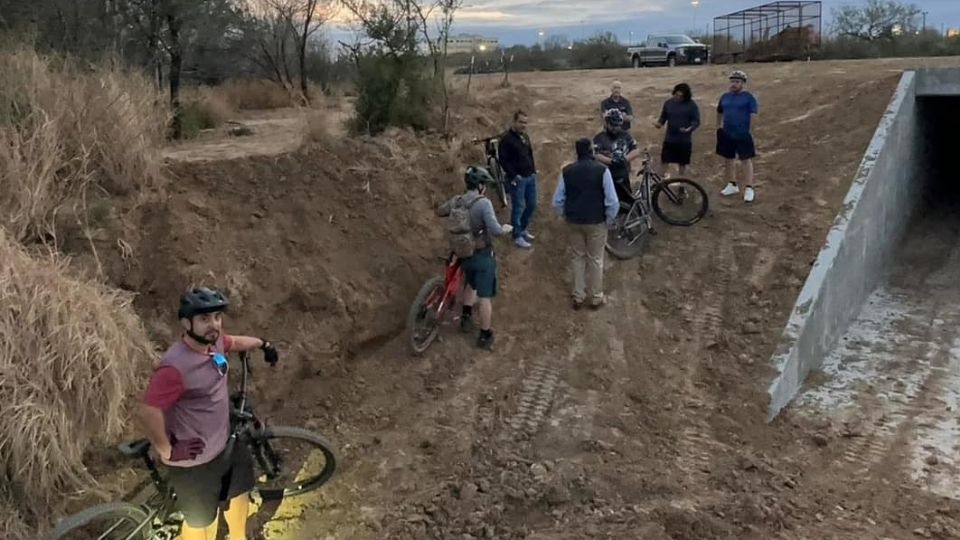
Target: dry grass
{"points": [[214, 104], [71, 351], [63, 130], [256, 94]]}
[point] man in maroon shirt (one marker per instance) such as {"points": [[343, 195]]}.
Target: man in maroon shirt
{"points": [[186, 415]]}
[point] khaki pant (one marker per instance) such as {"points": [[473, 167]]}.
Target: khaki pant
{"points": [[587, 243]]}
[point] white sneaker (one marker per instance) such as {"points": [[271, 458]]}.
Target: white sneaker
{"points": [[749, 195], [731, 189]]}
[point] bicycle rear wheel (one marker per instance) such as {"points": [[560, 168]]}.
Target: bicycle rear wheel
{"points": [[111, 521], [628, 236], [422, 322], [494, 167], [680, 201], [291, 461]]}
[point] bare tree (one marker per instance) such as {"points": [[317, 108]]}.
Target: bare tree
{"points": [[877, 19]]}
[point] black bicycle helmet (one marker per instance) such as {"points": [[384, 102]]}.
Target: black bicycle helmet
{"points": [[476, 176], [201, 300], [613, 117]]}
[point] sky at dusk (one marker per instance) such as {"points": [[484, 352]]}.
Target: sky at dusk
{"points": [[520, 21]]}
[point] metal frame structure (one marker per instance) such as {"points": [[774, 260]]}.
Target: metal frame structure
{"points": [[782, 30]]}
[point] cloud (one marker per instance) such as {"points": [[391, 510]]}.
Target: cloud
{"points": [[554, 13]]}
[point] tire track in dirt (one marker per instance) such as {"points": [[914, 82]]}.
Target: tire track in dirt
{"points": [[696, 442]]}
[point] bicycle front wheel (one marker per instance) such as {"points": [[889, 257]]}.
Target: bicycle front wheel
{"points": [[291, 461], [680, 201], [111, 521], [629, 234], [423, 322]]}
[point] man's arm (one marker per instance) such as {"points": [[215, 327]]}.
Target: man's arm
{"points": [[507, 156], [663, 117], [164, 389], [611, 202], [696, 118], [490, 223], [559, 196], [242, 343], [720, 114], [629, 115], [633, 150]]}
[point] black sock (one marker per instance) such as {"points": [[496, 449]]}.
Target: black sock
{"points": [[484, 334], [467, 311]]}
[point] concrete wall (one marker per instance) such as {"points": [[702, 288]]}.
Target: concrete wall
{"points": [[875, 214], [937, 82]]}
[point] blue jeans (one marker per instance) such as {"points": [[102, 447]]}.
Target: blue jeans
{"points": [[523, 201]]}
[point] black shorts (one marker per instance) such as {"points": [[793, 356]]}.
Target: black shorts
{"points": [[201, 490], [481, 273], [676, 152], [730, 148]]}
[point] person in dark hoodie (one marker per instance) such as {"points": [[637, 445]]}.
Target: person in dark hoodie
{"points": [[682, 117]]}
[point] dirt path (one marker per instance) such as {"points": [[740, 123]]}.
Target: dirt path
{"points": [[644, 420]]}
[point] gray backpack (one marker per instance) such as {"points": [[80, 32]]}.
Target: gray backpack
{"points": [[462, 242]]}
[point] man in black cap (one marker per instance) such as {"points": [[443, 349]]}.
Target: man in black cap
{"points": [[587, 199]]}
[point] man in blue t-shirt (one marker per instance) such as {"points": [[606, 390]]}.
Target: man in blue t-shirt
{"points": [[735, 111]]}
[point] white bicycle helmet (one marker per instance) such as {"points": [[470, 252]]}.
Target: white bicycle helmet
{"points": [[738, 75]]}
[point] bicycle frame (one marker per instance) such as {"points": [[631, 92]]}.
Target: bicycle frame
{"points": [[453, 283]]}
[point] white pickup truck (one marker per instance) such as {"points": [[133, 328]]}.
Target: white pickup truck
{"points": [[668, 50]]}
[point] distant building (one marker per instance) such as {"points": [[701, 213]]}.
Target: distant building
{"points": [[471, 43], [953, 32]]}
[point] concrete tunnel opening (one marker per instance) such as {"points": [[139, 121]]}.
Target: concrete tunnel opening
{"points": [[938, 117], [893, 251]]}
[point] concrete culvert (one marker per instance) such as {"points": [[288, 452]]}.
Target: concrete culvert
{"points": [[888, 255]]}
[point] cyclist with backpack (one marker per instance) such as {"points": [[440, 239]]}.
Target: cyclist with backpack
{"points": [[472, 225], [186, 416]]}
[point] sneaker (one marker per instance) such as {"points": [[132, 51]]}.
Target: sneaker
{"points": [[577, 304], [521, 243], [485, 340], [466, 324], [749, 195], [731, 189], [597, 304], [528, 237]]}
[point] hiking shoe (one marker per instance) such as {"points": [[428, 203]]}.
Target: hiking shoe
{"points": [[577, 304], [466, 324], [597, 304], [521, 243], [528, 237], [749, 195], [731, 189], [485, 340]]}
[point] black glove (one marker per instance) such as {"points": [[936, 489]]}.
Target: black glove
{"points": [[270, 353], [188, 449]]}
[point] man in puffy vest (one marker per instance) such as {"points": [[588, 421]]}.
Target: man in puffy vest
{"points": [[480, 270], [587, 199]]}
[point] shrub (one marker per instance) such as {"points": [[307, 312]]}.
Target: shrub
{"points": [[393, 91], [256, 94], [72, 351], [64, 129]]}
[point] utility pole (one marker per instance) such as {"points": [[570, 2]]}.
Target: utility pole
{"points": [[923, 28]]}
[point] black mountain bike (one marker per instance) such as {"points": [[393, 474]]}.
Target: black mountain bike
{"points": [[491, 149], [277, 452], [676, 201]]}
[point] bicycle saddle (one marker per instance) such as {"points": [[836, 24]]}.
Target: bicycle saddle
{"points": [[135, 449]]}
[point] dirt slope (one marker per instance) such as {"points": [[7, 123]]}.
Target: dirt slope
{"points": [[644, 420]]}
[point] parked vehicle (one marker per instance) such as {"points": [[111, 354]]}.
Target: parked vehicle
{"points": [[668, 50]]}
